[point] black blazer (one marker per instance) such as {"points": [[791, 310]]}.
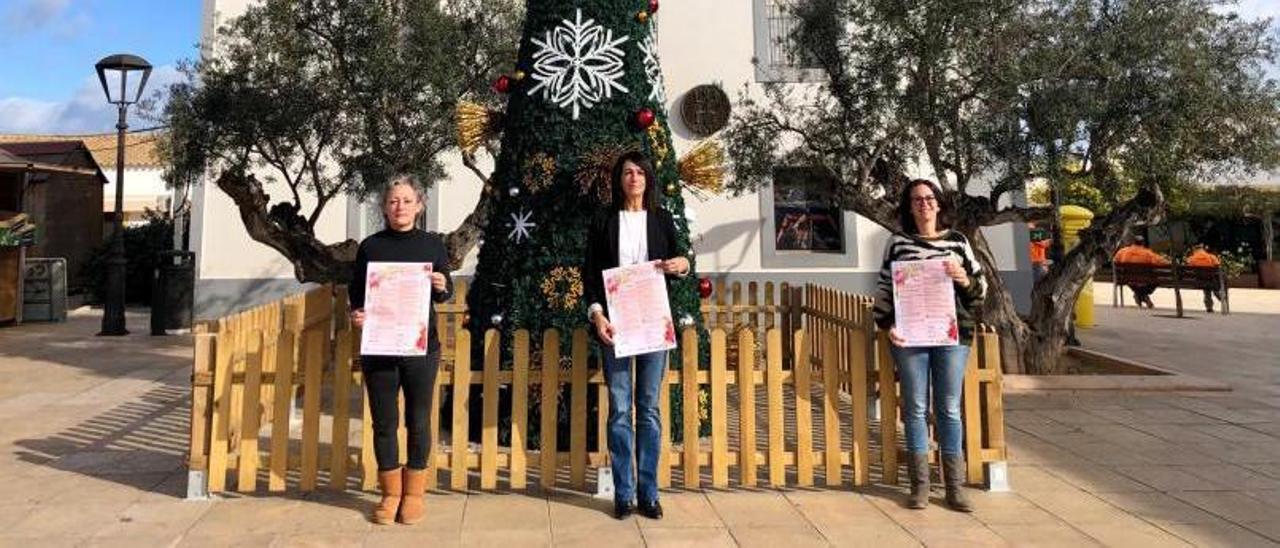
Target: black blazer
{"points": [[602, 249]]}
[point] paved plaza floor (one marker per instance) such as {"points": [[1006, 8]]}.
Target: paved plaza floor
{"points": [[93, 434]]}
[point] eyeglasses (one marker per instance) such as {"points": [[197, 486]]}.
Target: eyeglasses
{"points": [[922, 200]]}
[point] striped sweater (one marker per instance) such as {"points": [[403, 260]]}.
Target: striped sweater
{"points": [[948, 244]]}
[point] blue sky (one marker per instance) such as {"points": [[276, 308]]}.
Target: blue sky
{"points": [[49, 47]]}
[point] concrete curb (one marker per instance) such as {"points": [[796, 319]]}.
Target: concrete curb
{"points": [[1143, 378]]}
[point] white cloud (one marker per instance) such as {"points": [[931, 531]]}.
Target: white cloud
{"points": [[30, 15], [87, 111]]}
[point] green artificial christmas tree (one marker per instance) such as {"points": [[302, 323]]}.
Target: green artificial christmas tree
{"points": [[587, 87]]}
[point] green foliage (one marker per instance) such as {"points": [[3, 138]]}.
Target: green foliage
{"points": [[1236, 262], [511, 271], [142, 246], [335, 96]]}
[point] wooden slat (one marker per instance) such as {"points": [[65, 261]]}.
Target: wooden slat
{"points": [[804, 412], [578, 412], [341, 411], [201, 404], [435, 458], [489, 418], [461, 403], [368, 460], [831, 411], [286, 353], [972, 417], [664, 453], [550, 397], [777, 469], [519, 410], [858, 390], [747, 413], [888, 411], [224, 348], [315, 343], [247, 470], [719, 407], [994, 411], [237, 337], [689, 393]]}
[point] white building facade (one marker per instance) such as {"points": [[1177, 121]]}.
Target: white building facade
{"points": [[786, 232]]}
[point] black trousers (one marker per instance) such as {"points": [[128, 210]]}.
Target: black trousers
{"points": [[385, 377]]}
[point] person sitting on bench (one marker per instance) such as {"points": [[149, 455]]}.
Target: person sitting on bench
{"points": [[1138, 253], [1201, 257]]}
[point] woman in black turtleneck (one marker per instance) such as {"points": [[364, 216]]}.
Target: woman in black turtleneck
{"points": [[386, 376]]}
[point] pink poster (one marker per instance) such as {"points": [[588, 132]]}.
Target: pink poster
{"points": [[397, 309], [924, 303], [639, 310]]}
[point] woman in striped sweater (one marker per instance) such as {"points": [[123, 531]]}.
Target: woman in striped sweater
{"points": [[937, 369]]}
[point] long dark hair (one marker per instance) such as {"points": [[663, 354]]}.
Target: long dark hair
{"points": [[650, 181], [908, 221]]}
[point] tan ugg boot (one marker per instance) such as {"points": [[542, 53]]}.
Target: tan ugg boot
{"points": [[390, 483], [412, 508]]}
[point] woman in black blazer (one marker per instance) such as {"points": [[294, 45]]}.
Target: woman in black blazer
{"points": [[634, 230]]}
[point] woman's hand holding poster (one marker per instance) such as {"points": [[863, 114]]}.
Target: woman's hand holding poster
{"points": [[924, 301], [397, 308], [639, 310]]}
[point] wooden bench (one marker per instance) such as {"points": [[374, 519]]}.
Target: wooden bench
{"points": [[1177, 277]]}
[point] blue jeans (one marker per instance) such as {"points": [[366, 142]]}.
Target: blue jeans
{"points": [[940, 368], [644, 442]]}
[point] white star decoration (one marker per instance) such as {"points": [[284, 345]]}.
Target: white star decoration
{"points": [[578, 64], [520, 226], [653, 69]]}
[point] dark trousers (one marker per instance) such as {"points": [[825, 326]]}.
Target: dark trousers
{"points": [[1142, 293], [384, 378], [1209, 294]]}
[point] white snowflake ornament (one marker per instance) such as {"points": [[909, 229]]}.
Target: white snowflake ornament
{"points": [[578, 64], [521, 226], [653, 69]]}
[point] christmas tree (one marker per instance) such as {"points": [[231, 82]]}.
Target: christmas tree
{"points": [[586, 88]]}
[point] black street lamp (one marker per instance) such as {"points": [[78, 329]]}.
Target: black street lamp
{"points": [[122, 66]]}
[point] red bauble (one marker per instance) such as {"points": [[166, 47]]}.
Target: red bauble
{"points": [[653, 6], [502, 84], [645, 118], [704, 287]]}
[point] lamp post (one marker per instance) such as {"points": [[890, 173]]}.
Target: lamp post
{"points": [[123, 65]]}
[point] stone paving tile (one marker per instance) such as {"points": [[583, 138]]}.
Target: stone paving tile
{"points": [[1230, 505], [68, 540], [1098, 479], [1009, 509], [1216, 533], [1074, 507], [831, 510], [742, 510], [54, 520], [506, 537], [1236, 477], [798, 536], [681, 510], [1267, 496], [133, 541], [581, 520], [1269, 529], [319, 540], [510, 512], [1131, 533], [1026, 479], [11, 513], [1172, 455], [1167, 478], [958, 536], [1159, 507], [1176, 433], [230, 540], [400, 536], [157, 519], [885, 536], [1056, 535], [682, 537], [936, 515], [248, 517]]}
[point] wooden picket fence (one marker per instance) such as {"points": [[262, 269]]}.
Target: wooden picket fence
{"points": [[770, 366]]}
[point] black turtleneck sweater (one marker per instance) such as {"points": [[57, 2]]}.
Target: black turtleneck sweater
{"points": [[411, 246]]}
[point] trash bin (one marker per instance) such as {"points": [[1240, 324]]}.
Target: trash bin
{"points": [[173, 294]]}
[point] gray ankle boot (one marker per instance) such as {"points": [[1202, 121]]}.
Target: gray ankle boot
{"points": [[918, 475], [953, 475]]}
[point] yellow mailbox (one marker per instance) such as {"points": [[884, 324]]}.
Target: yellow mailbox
{"points": [[1075, 219]]}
